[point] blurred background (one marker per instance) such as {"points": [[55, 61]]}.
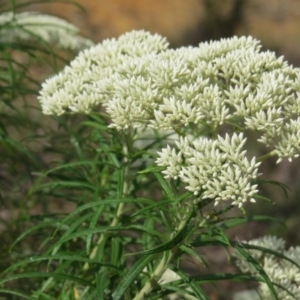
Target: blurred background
{"points": [[189, 22]]}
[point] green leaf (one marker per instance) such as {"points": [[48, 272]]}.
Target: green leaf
{"points": [[65, 184], [121, 182], [116, 250], [281, 185], [233, 222], [15, 293], [112, 156], [73, 227], [166, 187], [173, 242], [105, 202], [189, 250], [72, 165], [131, 275], [148, 230], [46, 275], [92, 296], [60, 256], [147, 239], [190, 282], [270, 251], [102, 282], [152, 169], [82, 233], [93, 224], [46, 224], [220, 235], [205, 239], [94, 125], [247, 256], [165, 221], [151, 207], [76, 144], [211, 278], [183, 197]]}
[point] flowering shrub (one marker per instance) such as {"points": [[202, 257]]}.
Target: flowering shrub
{"points": [[165, 136]]}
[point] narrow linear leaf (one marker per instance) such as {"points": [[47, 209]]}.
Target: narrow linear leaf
{"points": [[116, 250], [75, 226], [105, 202], [151, 207], [248, 257], [92, 296], [102, 282], [147, 230], [94, 125], [239, 277], [15, 293], [65, 184], [194, 286], [121, 181], [32, 229], [93, 224], [267, 250], [47, 275], [82, 233], [281, 185], [131, 275], [165, 186], [59, 256], [173, 242], [153, 169], [189, 250], [233, 222]]}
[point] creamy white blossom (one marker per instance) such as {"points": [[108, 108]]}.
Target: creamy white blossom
{"points": [[280, 271], [215, 169], [218, 82], [31, 26], [141, 83]]}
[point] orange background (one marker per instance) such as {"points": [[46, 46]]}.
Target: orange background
{"points": [[275, 22]]}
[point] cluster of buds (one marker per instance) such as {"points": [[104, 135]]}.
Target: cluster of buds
{"points": [[284, 274], [227, 84]]}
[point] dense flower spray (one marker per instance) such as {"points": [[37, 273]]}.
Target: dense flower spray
{"points": [[195, 91]]}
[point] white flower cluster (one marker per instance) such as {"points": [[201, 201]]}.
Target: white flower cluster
{"points": [[143, 83], [31, 26], [215, 169], [92, 78], [280, 271]]}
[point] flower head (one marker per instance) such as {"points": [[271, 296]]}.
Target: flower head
{"points": [[193, 90], [282, 272], [142, 82], [213, 169]]}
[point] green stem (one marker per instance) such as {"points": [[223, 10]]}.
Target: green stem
{"points": [[114, 222], [266, 156], [121, 205], [158, 272]]}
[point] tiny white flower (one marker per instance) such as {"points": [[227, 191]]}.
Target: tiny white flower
{"points": [[194, 90], [280, 271]]}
